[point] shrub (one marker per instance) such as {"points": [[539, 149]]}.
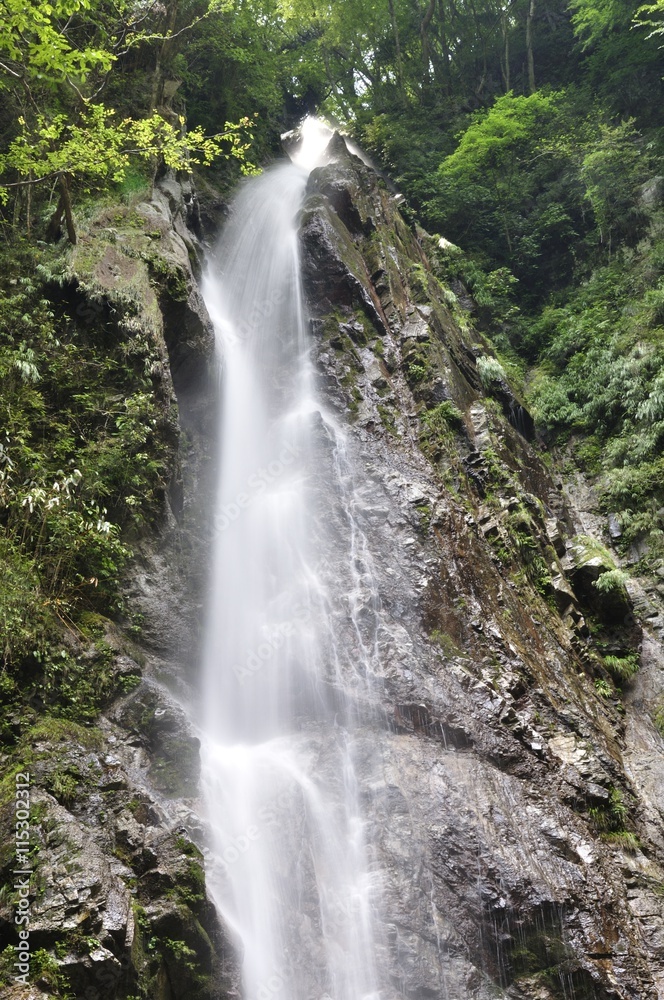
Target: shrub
{"points": [[611, 581], [84, 451], [622, 668], [491, 372], [442, 416]]}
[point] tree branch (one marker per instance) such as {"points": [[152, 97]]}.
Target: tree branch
{"points": [[7, 69]]}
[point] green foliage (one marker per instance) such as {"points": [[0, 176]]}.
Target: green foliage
{"points": [[64, 787], [622, 668], [611, 581], [238, 64], [491, 372], [34, 37], [76, 687], [187, 847], [416, 372], [24, 622], [56, 61], [445, 642], [411, 146], [651, 15], [44, 968], [611, 172], [601, 375], [129, 683], [99, 147], [523, 534], [75, 439], [493, 292], [191, 886], [82, 463], [487, 169], [610, 818], [624, 839], [593, 19], [54, 730], [180, 951], [417, 365], [517, 171], [387, 419], [658, 719], [438, 427], [603, 688], [445, 414], [492, 143], [530, 167], [619, 63], [586, 548]]}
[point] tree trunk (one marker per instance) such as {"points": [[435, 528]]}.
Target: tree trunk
{"points": [[164, 51], [447, 55], [506, 69], [397, 45], [65, 198], [426, 54], [18, 207], [55, 222], [29, 206], [529, 47]]}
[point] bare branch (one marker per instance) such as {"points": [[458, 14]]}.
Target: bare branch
{"points": [[169, 36], [84, 100], [8, 69], [30, 182]]}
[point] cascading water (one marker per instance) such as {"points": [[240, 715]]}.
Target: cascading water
{"points": [[293, 879]]}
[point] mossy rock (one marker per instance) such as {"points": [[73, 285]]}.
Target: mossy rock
{"points": [[590, 560], [175, 766]]}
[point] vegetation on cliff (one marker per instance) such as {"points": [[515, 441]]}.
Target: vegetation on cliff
{"points": [[529, 135]]}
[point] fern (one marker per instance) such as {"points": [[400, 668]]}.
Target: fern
{"points": [[612, 581]]}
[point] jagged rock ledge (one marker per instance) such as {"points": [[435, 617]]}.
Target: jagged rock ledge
{"points": [[518, 837]]}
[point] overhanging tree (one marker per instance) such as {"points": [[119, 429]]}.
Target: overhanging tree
{"points": [[55, 60]]}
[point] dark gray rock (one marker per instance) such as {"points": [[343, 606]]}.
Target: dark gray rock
{"points": [[164, 729], [614, 526], [500, 774]]}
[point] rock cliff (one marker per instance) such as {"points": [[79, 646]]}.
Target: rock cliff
{"points": [[517, 755], [511, 771], [118, 904]]}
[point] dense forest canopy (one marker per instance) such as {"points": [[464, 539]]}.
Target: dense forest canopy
{"points": [[543, 117], [528, 133]]}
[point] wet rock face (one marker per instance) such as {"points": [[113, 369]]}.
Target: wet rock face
{"points": [[118, 905], [517, 838], [514, 800], [164, 730], [118, 901], [138, 267]]}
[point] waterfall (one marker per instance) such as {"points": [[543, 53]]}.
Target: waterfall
{"points": [[284, 671]]}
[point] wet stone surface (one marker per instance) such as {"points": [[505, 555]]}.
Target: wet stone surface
{"points": [[512, 807]]}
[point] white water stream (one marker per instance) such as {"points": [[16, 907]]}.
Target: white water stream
{"points": [[293, 878]]}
